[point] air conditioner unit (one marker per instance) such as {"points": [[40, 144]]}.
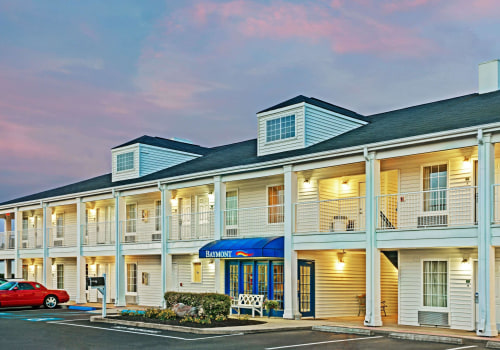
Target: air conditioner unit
{"points": [[24, 244], [156, 236], [432, 221], [232, 232], [130, 239], [58, 242], [433, 318]]}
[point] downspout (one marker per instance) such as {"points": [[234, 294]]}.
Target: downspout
{"points": [[365, 153]]}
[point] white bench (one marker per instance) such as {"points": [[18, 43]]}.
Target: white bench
{"points": [[250, 301]]}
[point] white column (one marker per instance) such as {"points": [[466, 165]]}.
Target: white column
{"points": [[18, 228], [486, 252], [119, 258], [169, 268], [291, 310], [8, 228], [165, 225], [219, 227], [47, 266], [373, 316], [80, 260]]}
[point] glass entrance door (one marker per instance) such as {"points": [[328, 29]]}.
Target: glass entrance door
{"points": [[306, 288]]}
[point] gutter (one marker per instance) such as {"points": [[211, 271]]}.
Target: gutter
{"points": [[377, 146]]}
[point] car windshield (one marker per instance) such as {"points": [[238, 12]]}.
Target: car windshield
{"points": [[7, 285]]}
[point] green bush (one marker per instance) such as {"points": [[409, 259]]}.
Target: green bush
{"points": [[152, 313], [213, 304], [166, 314]]}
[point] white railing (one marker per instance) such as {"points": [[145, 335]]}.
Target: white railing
{"points": [[335, 215], [428, 209], [62, 236], [98, 233], [191, 226], [258, 221], [31, 238], [7, 240], [145, 230], [496, 204]]}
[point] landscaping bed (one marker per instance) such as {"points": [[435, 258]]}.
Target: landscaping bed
{"points": [[229, 322]]}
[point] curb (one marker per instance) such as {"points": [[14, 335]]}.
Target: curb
{"points": [[219, 330], [345, 330], [427, 337]]}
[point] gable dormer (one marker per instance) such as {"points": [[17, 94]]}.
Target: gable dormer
{"points": [[301, 122], [146, 155]]}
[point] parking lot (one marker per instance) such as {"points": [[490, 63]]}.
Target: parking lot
{"points": [[70, 329]]}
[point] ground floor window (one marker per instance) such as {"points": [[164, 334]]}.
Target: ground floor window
{"points": [[435, 278], [131, 278], [60, 276], [255, 277]]}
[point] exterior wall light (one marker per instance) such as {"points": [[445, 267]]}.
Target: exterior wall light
{"points": [[211, 199]]}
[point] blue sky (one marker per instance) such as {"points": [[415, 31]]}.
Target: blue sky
{"points": [[77, 78]]}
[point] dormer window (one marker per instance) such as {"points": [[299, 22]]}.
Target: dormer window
{"points": [[125, 161], [280, 128]]}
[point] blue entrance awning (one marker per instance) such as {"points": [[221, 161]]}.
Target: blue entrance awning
{"points": [[264, 247]]}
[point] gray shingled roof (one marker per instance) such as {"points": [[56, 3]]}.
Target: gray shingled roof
{"points": [[318, 103], [445, 115], [166, 143]]}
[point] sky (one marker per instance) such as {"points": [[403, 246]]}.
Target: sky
{"points": [[80, 77]]}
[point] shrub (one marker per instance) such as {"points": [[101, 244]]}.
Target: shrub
{"points": [[213, 304], [152, 313], [271, 304], [166, 314], [196, 319]]}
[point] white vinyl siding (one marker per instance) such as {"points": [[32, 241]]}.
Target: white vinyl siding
{"points": [[184, 275], [321, 124], [148, 281], [125, 174], [460, 297]]}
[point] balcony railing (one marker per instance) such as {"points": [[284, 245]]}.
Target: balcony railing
{"points": [[31, 238], [191, 226], [146, 230], [98, 233], [257, 221], [335, 215], [428, 209], [62, 236], [7, 240]]}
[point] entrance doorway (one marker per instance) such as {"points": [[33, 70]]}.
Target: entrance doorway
{"points": [[306, 288]]}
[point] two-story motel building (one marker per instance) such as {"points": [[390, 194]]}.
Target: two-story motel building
{"points": [[325, 205]]}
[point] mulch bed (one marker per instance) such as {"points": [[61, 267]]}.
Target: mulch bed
{"points": [[230, 322]]}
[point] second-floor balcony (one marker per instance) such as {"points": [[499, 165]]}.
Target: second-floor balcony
{"points": [[31, 238], [62, 236], [7, 240], [191, 226], [333, 215], [98, 233], [450, 207], [145, 230]]}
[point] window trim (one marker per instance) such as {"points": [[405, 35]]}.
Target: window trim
{"points": [[158, 223], [57, 276], [295, 137], [269, 206], [236, 209], [136, 218], [133, 161], [193, 263], [421, 292], [127, 278], [434, 212]]}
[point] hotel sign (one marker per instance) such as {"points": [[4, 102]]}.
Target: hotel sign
{"points": [[226, 254]]}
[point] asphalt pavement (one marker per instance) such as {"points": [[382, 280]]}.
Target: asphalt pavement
{"points": [[24, 328]]}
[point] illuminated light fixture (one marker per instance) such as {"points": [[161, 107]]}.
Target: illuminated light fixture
{"points": [[307, 183], [465, 260], [211, 199], [92, 212], [53, 261], [345, 185], [467, 164], [173, 202], [92, 260], [211, 262], [340, 256], [54, 218], [32, 262]]}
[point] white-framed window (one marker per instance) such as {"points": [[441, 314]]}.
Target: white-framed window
{"points": [[435, 185], [280, 128], [275, 201], [60, 225], [60, 276], [158, 215], [131, 209], [435, 283], [196, 272], [125, 161], [232, 208], [132, 278]]}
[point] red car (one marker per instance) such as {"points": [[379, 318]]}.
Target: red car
{"points": [[25, 293]]}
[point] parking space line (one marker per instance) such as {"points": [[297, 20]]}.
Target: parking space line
{"points": [[142, 333], [324, 342], [464, 347]]}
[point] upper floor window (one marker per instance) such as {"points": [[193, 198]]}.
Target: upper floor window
{"points": [[435, 183], [280, 128], [125, 161], [275, 200]]}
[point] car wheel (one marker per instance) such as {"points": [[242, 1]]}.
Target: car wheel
{"points": [[50, 302]]}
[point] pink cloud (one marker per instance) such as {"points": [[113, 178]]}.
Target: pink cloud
{"points": [[405, 5], [471, 10]]}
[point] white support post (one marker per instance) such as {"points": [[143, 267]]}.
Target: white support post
{"points": [[47, 266], [165, 208], [219, 227], [169, 268], [119, 258], [373, 317], [486, 252], [291, 310], [7, 263], [80, 260], [18, 226]]}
